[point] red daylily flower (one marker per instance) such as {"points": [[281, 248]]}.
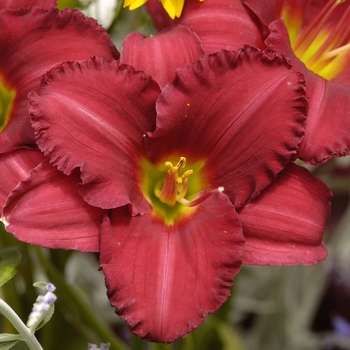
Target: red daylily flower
{"points": [[32, 41], [154, 162], [315, 35]]}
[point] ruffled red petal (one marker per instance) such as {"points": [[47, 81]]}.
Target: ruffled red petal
{"points": [[285, 224], [163, 280], [220, 24], [32, 41], [241, 112], [94, 116], [161, 54], [15, 167], [45, 209]]}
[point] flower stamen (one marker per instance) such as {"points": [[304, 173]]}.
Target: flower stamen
{"points": [[322, 41], [200, 198], [336, 52], [309, 34], [174, 186]]}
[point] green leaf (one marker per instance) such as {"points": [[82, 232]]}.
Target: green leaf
{"points": [[46, 317], [7, 341], [41, 285], [11, 260]]}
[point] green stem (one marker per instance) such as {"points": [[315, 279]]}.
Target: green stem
{"points": [[22, 329]]}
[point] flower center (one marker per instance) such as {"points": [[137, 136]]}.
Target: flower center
{"points": [[172, 190], [7, 96], [322, 45]]}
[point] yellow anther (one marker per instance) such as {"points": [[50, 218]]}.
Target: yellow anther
{"points": [[181, 163], [169, 165], [178, 180], [187, 173], [171, 168]]}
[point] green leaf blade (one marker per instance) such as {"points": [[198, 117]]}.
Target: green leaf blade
{"points": [[11, 260], [8, 341]]}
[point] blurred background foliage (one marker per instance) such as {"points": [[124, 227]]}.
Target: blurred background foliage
{"points": [[271, 308]]}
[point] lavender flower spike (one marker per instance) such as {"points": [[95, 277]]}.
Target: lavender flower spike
{"points": [[41, 305]]}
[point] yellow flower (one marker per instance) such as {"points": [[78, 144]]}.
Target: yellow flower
{"points": [[172, 7]]}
